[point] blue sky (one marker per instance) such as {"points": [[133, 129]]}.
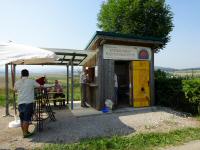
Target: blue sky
{"points": [[183, 50], [72, 23]]}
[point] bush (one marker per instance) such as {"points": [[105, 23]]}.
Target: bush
{"points": [[3, 97], [191, 89], [159, 74], [177, 93]]}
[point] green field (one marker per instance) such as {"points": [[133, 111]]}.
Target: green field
{"points": [[2, 97], [62, 80], [51, 78], [187, 73]]}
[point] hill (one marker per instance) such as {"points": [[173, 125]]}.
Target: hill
{"points": [[167, 69]]}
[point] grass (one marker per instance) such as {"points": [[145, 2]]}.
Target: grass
{"points": [[142, 141], [62, 80], [2, 97], [197, 117], [51, 79]]}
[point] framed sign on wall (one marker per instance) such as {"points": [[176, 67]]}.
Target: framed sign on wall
{"points": [[121, 52]]}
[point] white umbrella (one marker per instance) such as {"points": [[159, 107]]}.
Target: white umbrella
{"points": [[23, 54]]}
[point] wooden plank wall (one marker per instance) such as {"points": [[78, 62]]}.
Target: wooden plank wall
{"points": [[105, 79]]}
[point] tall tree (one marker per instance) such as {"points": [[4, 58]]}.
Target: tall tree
{"points": [[147, 18]]}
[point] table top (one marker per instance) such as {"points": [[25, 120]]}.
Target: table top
{"points": [[48, 85], [52, 92]]}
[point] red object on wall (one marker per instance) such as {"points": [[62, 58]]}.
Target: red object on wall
{"points": [[143, 54]]}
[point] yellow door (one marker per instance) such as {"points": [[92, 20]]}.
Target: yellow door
{"points": [[140, 82]]}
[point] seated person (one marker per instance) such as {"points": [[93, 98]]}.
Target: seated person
{"points": [[59, 92]]}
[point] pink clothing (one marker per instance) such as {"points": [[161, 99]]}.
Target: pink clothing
{"points": [[58, 88]]}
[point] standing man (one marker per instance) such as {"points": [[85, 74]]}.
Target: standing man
{"points": [[25, 89], [83, 81]]}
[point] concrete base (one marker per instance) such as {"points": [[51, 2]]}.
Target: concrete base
{"points": [[79, 111]]}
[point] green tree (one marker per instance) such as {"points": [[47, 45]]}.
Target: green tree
{"points": [[147, 18]]}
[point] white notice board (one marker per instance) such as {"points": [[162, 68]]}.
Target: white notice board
{"points": [[121, 52]]}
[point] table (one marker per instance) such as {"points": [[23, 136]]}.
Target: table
{"points": [[57, 99]]}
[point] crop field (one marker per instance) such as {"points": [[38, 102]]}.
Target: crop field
{"points": [[62, 79], [51, 78], [187, 73]]}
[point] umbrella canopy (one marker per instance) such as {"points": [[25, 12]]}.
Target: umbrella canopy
{"points": [[23, 54]]}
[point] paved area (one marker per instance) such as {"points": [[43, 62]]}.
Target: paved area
{"points": [[79, 111], [71, 128]]}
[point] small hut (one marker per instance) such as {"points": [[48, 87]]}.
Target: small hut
{"points": [[128, 57]]}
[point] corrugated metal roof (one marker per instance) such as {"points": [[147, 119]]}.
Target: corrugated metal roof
{"points": [[66, 56]]}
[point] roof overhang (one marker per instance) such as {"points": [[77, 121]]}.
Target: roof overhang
{"points": [[101, 37], [62, 57], [69, 56]]}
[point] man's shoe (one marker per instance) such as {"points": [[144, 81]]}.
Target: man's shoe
{"points": [[28, 134], [84, 106]]}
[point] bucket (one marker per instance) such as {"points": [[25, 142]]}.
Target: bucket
{"points": [[14, 124], [105, 110]]}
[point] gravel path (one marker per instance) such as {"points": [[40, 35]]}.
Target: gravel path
{"points": [[193, 145], [69, 128]]}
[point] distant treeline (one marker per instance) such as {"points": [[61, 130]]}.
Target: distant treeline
{"points": [[167, 69]]}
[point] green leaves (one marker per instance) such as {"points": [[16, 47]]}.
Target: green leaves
{"points": [[179, 93], [192, 90], [151, 18]]}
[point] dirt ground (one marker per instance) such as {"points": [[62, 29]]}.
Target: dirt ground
{"points": [[69, 128]]}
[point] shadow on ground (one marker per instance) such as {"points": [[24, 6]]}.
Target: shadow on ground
{"points": [[69, 128]]}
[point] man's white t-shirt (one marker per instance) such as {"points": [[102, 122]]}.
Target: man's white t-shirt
{"points": [[25, 89], [115, 80], [83, 78]]}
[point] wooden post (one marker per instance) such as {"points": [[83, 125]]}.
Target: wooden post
{"points": [[13, 83], [67, 90], [72, 85], [152, 88], [6, 91], [100, 80]]}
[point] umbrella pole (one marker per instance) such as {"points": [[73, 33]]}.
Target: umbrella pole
{"points": [[13, 73], [6, 92], [16, 123]]}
